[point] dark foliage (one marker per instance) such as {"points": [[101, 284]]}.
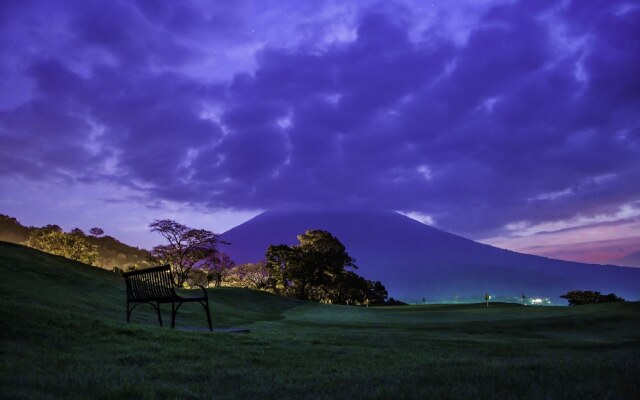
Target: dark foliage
{"points": [[77, 232], [317, 270], [581, 297], [96, 232], [394, 302]]}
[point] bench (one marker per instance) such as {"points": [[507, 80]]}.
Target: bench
{"points": [[156, 286]]}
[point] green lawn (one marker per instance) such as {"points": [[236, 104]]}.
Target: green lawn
{"points": [[64, 335]]}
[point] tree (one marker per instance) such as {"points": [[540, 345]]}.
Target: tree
{"points": [[77, 232], [320, 264], [377, 292], [318, 269], [187, 247], [72, 246], [582, 297], [217, 266], [250, 275], [96, 232], [279, 257], [310, 270], [354, 289], [196, 277], [52, 227]]}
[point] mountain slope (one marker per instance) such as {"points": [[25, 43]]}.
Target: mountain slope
{"points": [[630, 260], [416, 261]]}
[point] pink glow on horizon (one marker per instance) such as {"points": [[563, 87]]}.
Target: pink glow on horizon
{"points": [[578, 245], [600, 252]]}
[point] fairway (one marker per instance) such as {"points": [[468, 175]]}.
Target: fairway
{"points": [[64, 335]]}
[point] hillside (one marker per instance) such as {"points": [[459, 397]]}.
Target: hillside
{"points": [[416, 261], [630, 260], [111, 252], [64, 336], [11, 230]]}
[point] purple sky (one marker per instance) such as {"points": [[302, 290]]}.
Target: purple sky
{"points": [[516, 123]]}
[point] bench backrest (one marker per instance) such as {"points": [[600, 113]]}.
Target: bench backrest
{"points": [[149, 284]]}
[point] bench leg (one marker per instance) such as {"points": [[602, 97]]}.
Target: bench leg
{"points": [[174, 312], [205, 304], [158, 310]]}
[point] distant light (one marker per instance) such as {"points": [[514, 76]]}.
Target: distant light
{"points": [[540, 301]]}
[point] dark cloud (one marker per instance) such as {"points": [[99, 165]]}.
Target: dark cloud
{"points": [[534, 117]]}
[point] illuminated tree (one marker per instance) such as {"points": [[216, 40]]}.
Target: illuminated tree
{"points": [[196, 277], [279, 261], [72, 246], [250, 275], [187, 248]]}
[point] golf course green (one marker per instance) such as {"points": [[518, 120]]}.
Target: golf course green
{"points": [[64, 335]]}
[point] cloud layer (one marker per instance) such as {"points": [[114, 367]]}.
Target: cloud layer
{"points": [[481, 118]]}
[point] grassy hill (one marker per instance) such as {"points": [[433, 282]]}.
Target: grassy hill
{"points": [[111, 252], [64, 335]]}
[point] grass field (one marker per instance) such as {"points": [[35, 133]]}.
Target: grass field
{"points": [[64, 335]]}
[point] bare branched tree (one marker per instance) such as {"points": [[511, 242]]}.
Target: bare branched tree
{"points": [[186, 249]]}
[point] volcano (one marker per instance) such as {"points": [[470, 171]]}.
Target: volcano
{"points": [[416, 261]]}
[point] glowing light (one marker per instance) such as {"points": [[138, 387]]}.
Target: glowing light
{"points": [[540, 301]]}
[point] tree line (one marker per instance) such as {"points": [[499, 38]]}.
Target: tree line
{"points": [[94, 247], [317, 269], [73, 245]]}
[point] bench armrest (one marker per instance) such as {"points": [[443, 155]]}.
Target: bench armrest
{"points": [[204, 290]]}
